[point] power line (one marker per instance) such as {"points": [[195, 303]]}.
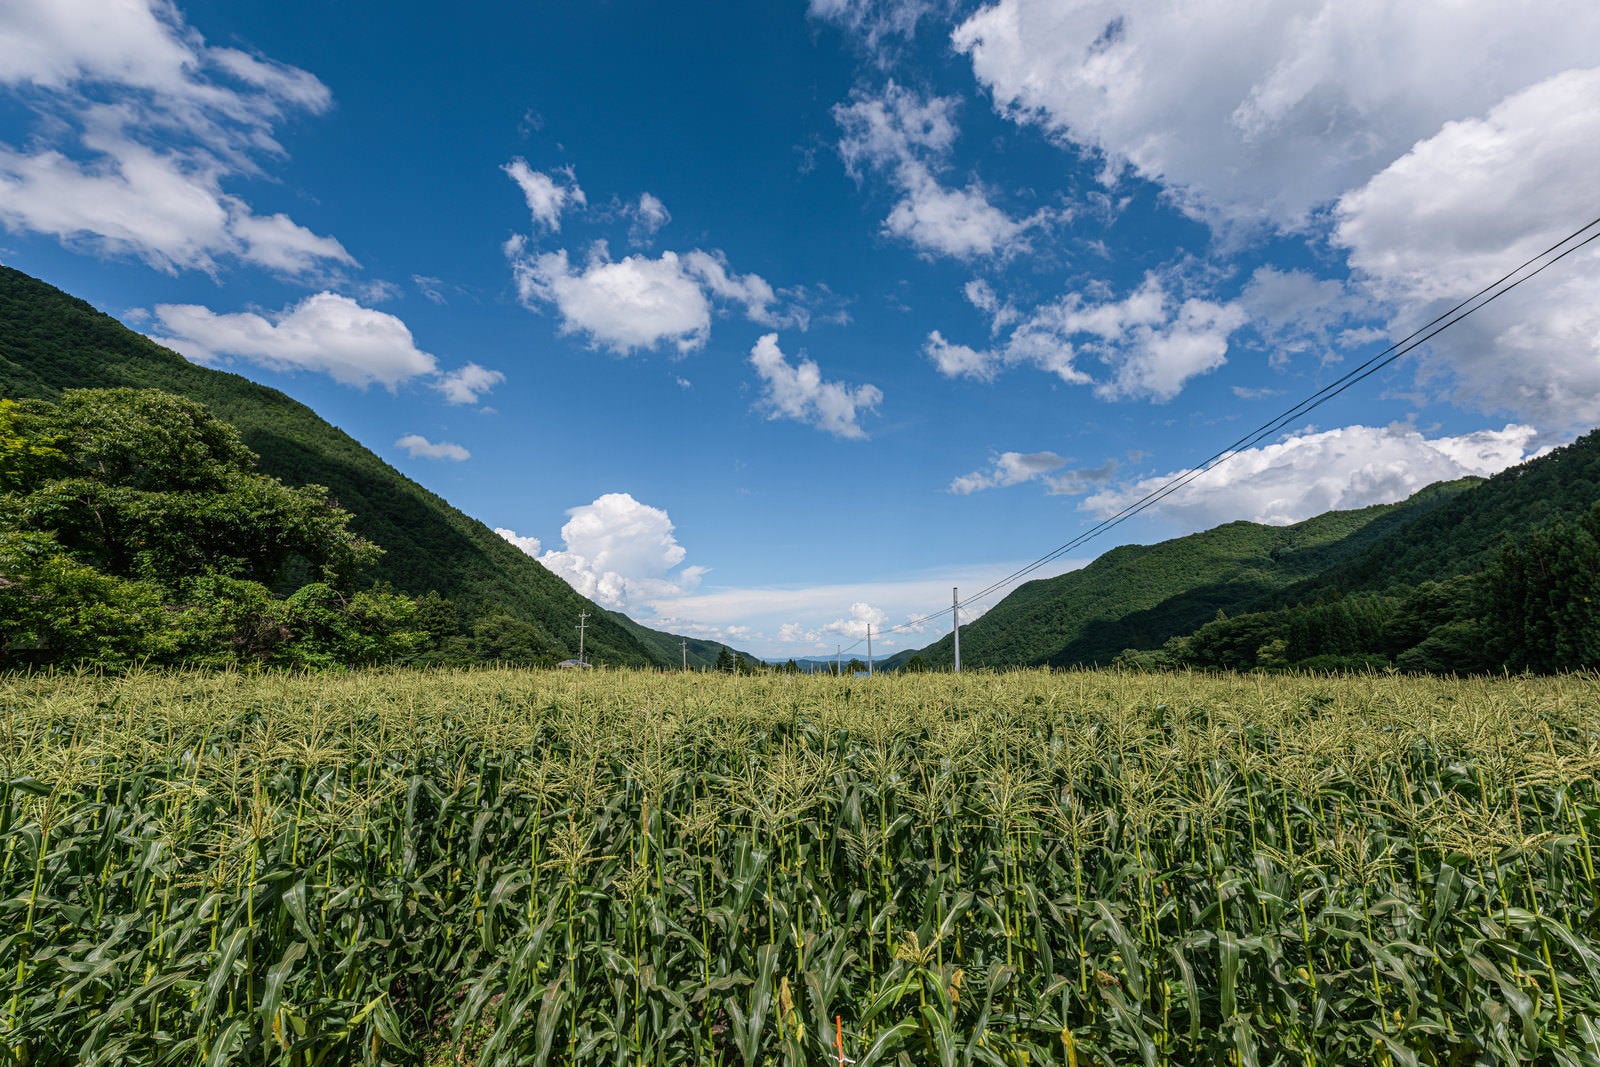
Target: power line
{"points": [[1478, 300]]}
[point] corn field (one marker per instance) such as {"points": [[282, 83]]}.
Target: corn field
{"points": [[518, 867]]}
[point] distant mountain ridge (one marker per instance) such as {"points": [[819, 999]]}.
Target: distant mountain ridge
{"points": [[51, 341]]}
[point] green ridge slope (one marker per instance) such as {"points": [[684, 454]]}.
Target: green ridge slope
{"points": [[50, 341], [1137, 596], [1465, 533]]}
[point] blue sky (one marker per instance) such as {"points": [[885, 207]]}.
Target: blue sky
{"points": [[768, 321]]}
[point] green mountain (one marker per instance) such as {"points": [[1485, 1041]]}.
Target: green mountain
{"points": [[1138, 596], [50, 341], [1466, 533], [1407, 583]]}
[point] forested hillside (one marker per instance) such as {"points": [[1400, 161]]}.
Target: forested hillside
{"points": [[505, 603], [1476, 575], [1138, 596]]}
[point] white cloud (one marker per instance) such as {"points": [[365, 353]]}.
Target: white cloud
{"points": [[800, 393], [468, 384], [875, 22], [1152, 341], [1308, 473], [326, 333], [909, 139], [420, 447], [854, 626], [619, 551], [94, 176], [1008, 468], [638, 302], [981, 295], [546, 198], [1463, 207], [649, 215], [1257, 113], [530, 545]]}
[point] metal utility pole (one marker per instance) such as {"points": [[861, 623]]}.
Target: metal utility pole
{"points": [[955, 622], [869, 650], [582, 617], [838, 659], [685, 643]]}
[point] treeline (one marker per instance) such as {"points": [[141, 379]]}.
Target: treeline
{"points": [[1535, 607], [134, 528]]}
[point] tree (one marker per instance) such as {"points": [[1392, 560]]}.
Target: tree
{"points": [[725, 661], [133, 527], [149, 485]]}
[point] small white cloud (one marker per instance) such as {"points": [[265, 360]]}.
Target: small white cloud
{"points": [[876, 23], [431, 288], [468, 384], [649, 215], [1008, 468], [1152, 341], [546, 197], [909, 139], [634, 303], [326, 333], [1308, 473], [618, 551], [530, 545], [799, 392], [855, 625], [981, 295], [420, 447]]}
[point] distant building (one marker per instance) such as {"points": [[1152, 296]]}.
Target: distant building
{"points": [[569, 664]]}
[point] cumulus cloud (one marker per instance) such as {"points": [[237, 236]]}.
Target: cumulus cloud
{"points": [[326, 333], [1308, 473], [419, 447], [908, 139], [530, 545], [1257, 113], [637, 302], [1008, 468], [547, 198], [618, 551], [855, 624], [468, 384], [1463, 207], [799, 392], [145, 176], [1152, 341]]}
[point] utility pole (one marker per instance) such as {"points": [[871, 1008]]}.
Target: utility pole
{"points": [[685, 643], [869, 650], [582, 616], [838, 659], [955, 622]]}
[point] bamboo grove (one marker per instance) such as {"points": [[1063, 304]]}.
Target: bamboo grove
{"points": [[517, 867]]}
